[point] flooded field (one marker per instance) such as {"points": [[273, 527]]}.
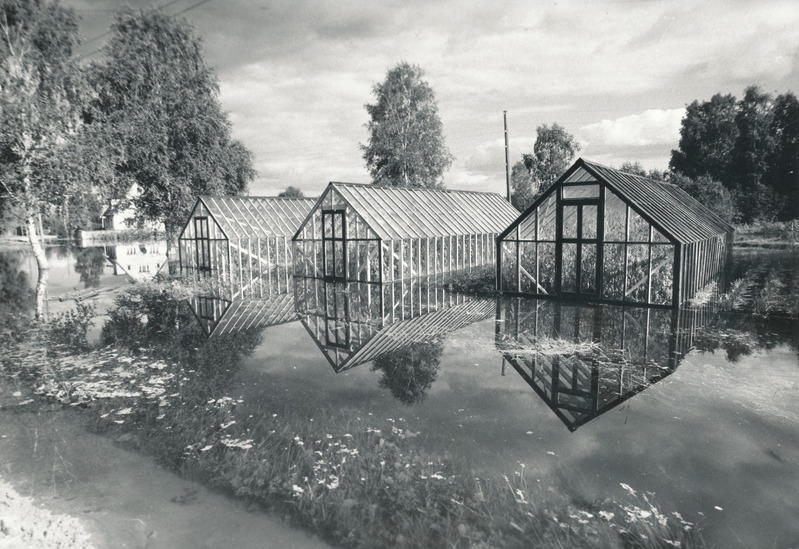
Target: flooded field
{"points": [[345, 406]]}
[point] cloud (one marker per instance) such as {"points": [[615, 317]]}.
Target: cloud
{"points": [[652, 127]]}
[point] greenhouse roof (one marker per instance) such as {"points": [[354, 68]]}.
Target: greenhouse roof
{"points": [[398, 212], [678, 213], [248, 216]]}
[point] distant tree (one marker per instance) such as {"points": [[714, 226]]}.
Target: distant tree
{"points": [[292, 192], [782, 174], [709, 192], [708, 133], [89, 263], [637, 169], [552, 155], [409, 372], [406, 144], [159, 100], [41, 91], [749, 157]]}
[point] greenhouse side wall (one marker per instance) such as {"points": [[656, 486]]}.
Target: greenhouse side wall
{"points": [[432, 256]]}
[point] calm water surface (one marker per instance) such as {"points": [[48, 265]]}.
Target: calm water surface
{"points": [[700, 407]]}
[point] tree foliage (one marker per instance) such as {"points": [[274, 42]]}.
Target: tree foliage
{"points": [[292, 192], [41, 96], [749, 146], [553, 152], [406, 145], [157, 100]]}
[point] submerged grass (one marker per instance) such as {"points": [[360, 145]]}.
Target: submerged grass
{"points": [[359, 481]]}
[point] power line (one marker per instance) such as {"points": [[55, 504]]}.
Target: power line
{"points": [[106, 33]]}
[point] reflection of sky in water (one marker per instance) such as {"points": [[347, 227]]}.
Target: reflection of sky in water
{"points": [[713, 433]]}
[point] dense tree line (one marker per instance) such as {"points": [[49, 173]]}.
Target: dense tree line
{"points": [[750, 147], [74, 136]]}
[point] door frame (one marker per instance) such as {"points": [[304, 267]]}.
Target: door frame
{"points": [[579, 241]]}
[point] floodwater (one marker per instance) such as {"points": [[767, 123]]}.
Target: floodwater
{"points": [[699, 407]]}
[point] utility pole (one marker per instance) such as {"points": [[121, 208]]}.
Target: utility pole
{"points": [[507, 169]]}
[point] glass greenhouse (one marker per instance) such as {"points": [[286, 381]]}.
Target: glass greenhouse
{"points": [[242, 244], [368, 233], [605, 235]]}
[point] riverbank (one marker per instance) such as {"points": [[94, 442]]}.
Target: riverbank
{"points": [[24, 523]]}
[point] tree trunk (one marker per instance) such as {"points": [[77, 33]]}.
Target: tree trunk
{"points": [[41, 262]]}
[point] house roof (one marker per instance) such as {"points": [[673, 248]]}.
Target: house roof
{"points": [[399, 212], [679, 214], [251, 216]]}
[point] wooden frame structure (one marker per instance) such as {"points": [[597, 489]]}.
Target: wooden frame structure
{"points": [[368, 233], [600, 234], [242, 244], [584, 361], [356, 322]]}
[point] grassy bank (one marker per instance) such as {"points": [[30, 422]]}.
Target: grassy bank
{"points": [[358, 481]]}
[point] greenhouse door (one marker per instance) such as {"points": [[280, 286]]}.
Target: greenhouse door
{"points": [[334, 248], [578, 247]]}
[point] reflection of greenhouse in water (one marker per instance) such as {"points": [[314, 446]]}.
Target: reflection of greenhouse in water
{"points": [[605, 235], [357, 322], [222, 316], [242, 244], [583, 361]]}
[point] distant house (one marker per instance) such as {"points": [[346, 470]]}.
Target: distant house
{"points": [[370, 233], [120, 214], [601, 234]]}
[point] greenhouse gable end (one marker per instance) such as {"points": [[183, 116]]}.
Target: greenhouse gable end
{"points": [[601, 234]]}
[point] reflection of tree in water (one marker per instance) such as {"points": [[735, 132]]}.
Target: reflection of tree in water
{"points": [[89, 263], [17, 299], [147, 319], [409, 372]]}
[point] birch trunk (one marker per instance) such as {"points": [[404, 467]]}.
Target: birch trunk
{"points": [[41, 262]]}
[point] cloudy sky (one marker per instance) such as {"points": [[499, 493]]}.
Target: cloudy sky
{"points": [[295, 75]]}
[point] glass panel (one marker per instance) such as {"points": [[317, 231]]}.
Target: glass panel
{"points": [[337, 225], [568, 268], [509, 280], [588, 269], [615, 217], [637, 272], [657, 236], [546, 217], [570, 221], [589, 221], [340, 258], [327, 222], [662, 274], [396, 246], [527, 227], [546, 266], [613, 272], [639, 229], [527, 277], [329, 271], [580, 191]]}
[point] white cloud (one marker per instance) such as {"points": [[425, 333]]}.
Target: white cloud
{"points": [[652, 127]]}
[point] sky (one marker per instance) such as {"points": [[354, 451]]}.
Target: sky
{"points": [[295, 75]]}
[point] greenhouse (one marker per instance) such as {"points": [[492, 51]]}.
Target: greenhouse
{"points": [[369, 233], [358, 322], [605, 235], [242, 244], [572, 358]]}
